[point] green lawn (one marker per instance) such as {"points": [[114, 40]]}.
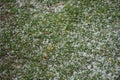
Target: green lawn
{"points": [[60, 40]]}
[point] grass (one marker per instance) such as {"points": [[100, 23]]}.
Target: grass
{"points": [[60, 40]]}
